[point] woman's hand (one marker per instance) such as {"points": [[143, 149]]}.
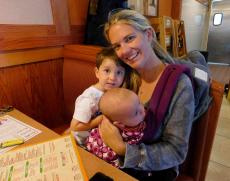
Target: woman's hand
{"points": [[112, 137]]}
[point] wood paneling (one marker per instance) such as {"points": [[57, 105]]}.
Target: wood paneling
{"points": [[78, 73], [176, 9], [77, 33], [165, 7], [31, 63], [29, 56], [69, 27], [170, 8], [78, 10], [14, 43], [31, 81], [22, 31], [36, 90], [60, 16], [26, 36]]}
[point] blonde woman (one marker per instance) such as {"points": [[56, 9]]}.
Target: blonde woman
{"points": [[134, 42]]}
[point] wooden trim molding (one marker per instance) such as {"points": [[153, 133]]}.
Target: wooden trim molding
{"points": [[34, 42], [19, 31], [78, 10], [176, 9], [83, 52], [60, 16], [14, 37], [30, 56]]}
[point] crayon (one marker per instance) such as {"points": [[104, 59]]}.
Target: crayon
{"points": [[13, 142]]}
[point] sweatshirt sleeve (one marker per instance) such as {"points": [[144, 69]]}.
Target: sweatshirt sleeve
{"points": [[171, 149]]}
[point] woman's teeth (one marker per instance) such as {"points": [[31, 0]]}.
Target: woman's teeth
{"points": [[133, 56]]}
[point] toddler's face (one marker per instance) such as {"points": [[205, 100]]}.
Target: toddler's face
{"points": [[110, 75]]}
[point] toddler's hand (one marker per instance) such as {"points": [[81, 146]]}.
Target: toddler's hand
{"points": [[66, 132]]}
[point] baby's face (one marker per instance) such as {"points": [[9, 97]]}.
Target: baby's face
{"points": [[134, 111]]}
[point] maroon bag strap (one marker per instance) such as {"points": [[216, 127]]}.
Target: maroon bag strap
{"points": [[161, 98]]}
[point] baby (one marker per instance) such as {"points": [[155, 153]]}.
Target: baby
{"points": [[124, 109]]}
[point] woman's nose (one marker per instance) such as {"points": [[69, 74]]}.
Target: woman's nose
{"points": [[123, 51]]}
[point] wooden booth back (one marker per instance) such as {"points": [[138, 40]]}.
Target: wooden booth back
{"points": [[78, 74]]}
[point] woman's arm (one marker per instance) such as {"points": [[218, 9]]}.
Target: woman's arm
{"points": [[172, 148]]}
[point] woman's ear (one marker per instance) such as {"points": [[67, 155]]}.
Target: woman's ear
{"points": [[150, 33]]}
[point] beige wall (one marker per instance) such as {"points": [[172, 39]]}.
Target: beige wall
{"points": [[25, 12], [194, 16]]}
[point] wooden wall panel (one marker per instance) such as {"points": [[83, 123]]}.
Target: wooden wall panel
{"points": [[170, 8], [14, 37], [176, 9], [31, 62], [221, 73], [22, 31], [77, 33], [165, 7], [69, 27], [35, 55], [60, 16], [78, 10], [38, 42], [78, 73], [36, 90]]}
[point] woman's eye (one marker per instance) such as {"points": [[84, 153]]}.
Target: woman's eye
{"points": [[130, 38]]}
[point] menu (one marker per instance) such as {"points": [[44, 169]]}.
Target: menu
{"points": [[11, 128], [54, 160]]}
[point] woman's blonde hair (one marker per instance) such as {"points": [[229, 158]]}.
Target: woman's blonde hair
{"points": [[132, 79], [140, 23]]}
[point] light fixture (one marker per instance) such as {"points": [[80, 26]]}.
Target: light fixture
{"points": [[216, 1]]}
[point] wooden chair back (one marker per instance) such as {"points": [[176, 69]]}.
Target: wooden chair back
{"points": [[195, 166]]}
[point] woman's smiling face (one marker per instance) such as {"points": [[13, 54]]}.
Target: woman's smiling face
{"points": [[131, 45]]}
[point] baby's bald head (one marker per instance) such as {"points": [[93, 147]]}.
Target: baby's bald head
{"points": [[114, 101]]}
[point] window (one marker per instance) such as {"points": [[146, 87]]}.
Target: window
{"points": [[217, 19]]}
